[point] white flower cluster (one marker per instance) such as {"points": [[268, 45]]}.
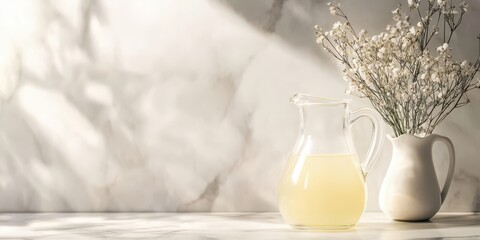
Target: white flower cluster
{"points": [[412, 86]]}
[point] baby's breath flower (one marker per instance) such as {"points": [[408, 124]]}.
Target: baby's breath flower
{"points": [[320, 39], [362, 33], [396, 14], [464, 6], [336, 25], [381, 51], [333, 7], [441, 2], [413, 3], [443, 48], [412, 30], [333, 10]]}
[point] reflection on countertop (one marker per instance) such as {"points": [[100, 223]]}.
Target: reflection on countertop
{"points": [[222, 226]]}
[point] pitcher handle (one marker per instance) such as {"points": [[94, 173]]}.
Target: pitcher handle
{"points": [[451, 166], [377, 136]]}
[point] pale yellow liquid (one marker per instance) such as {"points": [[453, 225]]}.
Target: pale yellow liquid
{"points": [[322, 192]]}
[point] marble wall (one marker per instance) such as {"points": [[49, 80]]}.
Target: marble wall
{"points": [[179, 105]]}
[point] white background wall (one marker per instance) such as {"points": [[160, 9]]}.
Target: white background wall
{"points": [[180, 105]]}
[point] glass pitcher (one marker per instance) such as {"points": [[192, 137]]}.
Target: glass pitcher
{"points": [[323, 186]]}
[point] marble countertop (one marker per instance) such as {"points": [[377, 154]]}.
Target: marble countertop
{"points": [[222, 226]]}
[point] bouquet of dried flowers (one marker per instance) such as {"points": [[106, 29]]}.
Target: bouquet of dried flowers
{"points": [[413, 86]]}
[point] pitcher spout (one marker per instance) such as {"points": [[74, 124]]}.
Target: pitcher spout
{"points": [[305, 99]]}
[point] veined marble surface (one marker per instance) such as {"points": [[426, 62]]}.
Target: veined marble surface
{"points": [[180, 105], [193, 226]]}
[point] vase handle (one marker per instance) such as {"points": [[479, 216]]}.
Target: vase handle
{"points": [[377, 136], [451, 166]]}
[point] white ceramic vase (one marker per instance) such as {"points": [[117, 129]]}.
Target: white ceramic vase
{"points": [[410, 190]]}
